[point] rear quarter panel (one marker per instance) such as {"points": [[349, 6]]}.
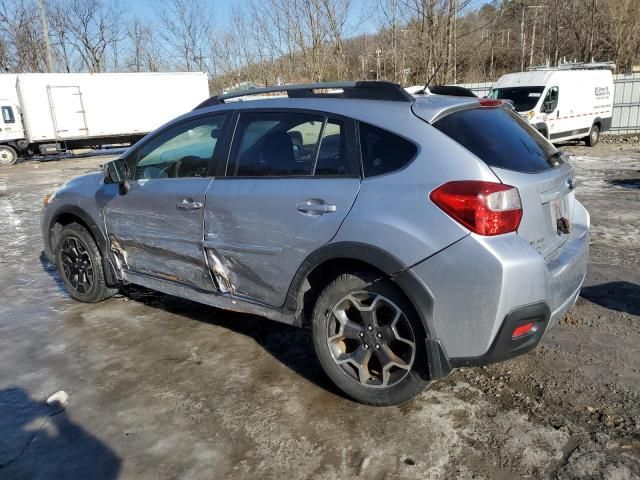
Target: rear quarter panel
{"points": [[393, 211]]}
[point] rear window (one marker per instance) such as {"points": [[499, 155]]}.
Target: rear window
{"points": [[501, 139]]}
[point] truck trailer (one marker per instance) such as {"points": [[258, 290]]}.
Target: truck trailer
{"points": [[48, 113], [573, 101]]}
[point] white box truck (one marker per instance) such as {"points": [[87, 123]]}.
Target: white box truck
{"points": [[45, 113], [563, 103]]}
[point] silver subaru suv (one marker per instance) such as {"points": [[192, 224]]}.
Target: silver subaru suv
{"points": [[411, 235]]}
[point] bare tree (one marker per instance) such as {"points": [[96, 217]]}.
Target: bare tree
{"points": [[22, 46], [90, 29], [186, 27], [144, 52]]}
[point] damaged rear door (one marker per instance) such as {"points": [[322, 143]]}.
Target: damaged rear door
{"points": [[290, 181], [156, 228]]}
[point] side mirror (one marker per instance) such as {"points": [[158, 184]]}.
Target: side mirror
{"points": [[115, 171]]}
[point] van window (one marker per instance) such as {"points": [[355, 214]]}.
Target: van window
{"points": [[550, 100], [7, 115], [502, 139], [382, 151], [523, 98]]}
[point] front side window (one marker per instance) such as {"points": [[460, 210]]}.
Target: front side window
{"points": [[277, 144], [185, 150], [550, 100], [523, 98], [382, 151], [7, 115]]}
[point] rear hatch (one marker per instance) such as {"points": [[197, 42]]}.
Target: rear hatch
{"points": [[522, 158]]}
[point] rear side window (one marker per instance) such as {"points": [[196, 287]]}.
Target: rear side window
{"points": [[281, 144], [382, 151], [501, 139]]}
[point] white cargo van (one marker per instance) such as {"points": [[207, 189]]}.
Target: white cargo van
{"points": [[45, 113], [563, 103]]}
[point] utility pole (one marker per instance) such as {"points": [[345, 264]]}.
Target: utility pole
{"points": [[45, 34], [404, 55], [533, 37], [455, 41], [522, 40], [378, 60], [363, 62], [593, 26]]}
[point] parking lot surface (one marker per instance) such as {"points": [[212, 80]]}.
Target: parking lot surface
{"points": [[160, 387]]}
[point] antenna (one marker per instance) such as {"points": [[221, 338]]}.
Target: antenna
{"points": [[435, 72]]}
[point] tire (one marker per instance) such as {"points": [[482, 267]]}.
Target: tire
{"points": [[8, 155], [594, 136], [389, 347], [80, 265]]}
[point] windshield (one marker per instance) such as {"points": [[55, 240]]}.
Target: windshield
{"points": [[523, 98]]}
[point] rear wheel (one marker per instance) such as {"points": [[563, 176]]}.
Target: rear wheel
{"points": [[369, 340], [594, 136], [80, 264], [8, 155]]}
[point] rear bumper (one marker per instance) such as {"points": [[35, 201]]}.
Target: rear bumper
{"points": [[484, 287]]}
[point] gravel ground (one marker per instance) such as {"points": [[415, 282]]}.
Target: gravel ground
{"points": [[163, 388]]}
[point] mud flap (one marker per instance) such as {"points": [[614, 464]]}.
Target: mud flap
{"points": [[439, 366]]}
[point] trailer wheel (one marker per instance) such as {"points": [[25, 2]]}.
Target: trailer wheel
{"points": [[594, 136], [8, 156]]}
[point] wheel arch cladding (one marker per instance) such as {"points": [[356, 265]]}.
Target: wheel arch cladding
{"points": [[335, 258], [68, 214]]}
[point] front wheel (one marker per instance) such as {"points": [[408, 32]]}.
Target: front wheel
{"points": [[594, 136], [8, 155], [80, 265], [369, 340]]}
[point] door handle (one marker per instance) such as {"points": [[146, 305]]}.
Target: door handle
{"points": [[187, 205], [315, 207]]}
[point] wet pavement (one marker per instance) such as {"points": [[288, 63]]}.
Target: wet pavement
{"points": [[165, 388]]}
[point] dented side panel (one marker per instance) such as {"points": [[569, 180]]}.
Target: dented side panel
{"points": [[150, 233], [256, 237]]}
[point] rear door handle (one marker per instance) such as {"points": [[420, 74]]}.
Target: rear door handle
{"points": [[315, 207], [187, 205]]}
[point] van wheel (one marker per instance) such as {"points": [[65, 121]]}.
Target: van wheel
{"points": [[369, 340], [8, 156], [593, 137], [80, 264]]}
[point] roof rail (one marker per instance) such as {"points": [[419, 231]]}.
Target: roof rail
{"points": [[361, 90]]}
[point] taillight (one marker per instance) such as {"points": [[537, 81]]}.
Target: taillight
{"points": [[485, 208]]}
